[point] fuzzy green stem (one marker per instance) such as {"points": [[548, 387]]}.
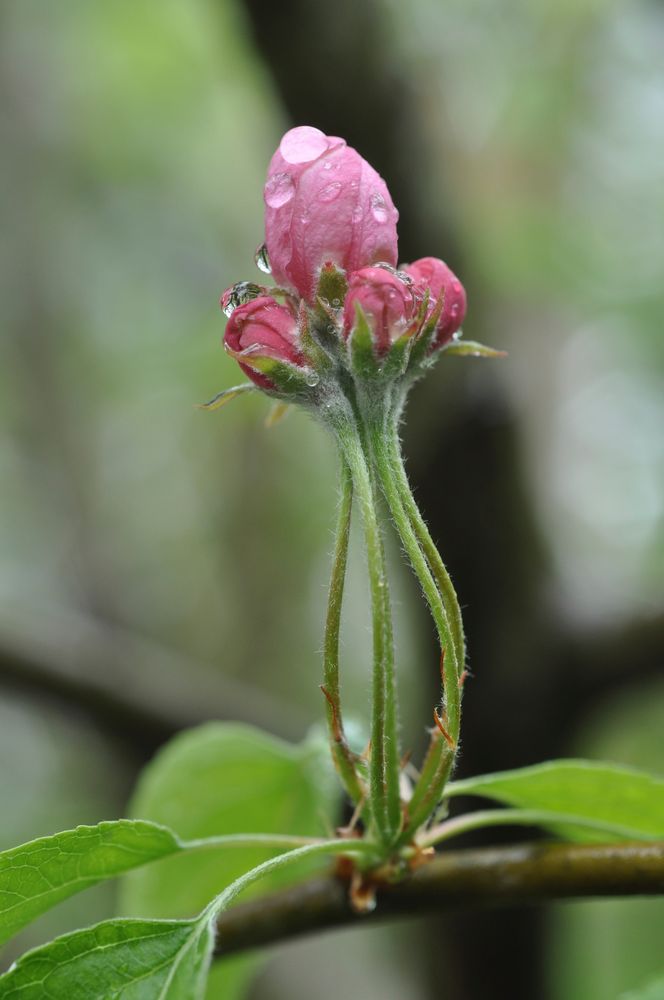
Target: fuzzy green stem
{"points": [[439, 761], [428, 545], [341, 752], [388, 473], [384, 764], [518, 817]]}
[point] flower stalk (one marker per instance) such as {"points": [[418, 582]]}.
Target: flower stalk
{"points": [[384, 761], [346, 333], [344, 759]]}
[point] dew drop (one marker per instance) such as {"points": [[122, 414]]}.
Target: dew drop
{"points": [[262, 260], [456, 287], [454, 311], [227, 304], [279, 190], [378, 207], [357, 215], [336, 303], [238, 295], [403, 276], [303, 144], [312, 378], [330, 192]]}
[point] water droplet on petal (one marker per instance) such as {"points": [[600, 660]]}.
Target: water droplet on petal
{"points": [[279, 190], [378, 207], [454, 311], [227, 304], [330, 191], [312, 378], [262, 260], [357, 215], [303, 144], [243, 291], [456, 287]]}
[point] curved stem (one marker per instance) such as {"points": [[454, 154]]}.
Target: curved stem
{"points": [[271, 840], [384, 764], [343, 757], [516, 817], [428, 545], [448, 641], [331, 847], [439, 761]]}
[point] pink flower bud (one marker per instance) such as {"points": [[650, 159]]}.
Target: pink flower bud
{"points": [[386, 300], [324, 203], [263, 328], [434, 275]]}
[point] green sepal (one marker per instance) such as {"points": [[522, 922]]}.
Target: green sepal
{"points": [[471, 349], [226, 396], [288, 380], [421, 349], [278, 411], [332, 286], [361, 346], [324, 316], [397, 360], [316, 341]]}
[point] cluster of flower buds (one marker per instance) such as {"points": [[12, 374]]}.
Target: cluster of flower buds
{"points": [[339, 300]]}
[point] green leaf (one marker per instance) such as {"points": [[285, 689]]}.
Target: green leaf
{"points": [[631, 800], [39, 874], [224, 778], [123, 959]]}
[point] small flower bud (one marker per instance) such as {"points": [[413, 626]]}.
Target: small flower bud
{"points": [[433, 275], [386, 301], [263, 328], [324, 203]]}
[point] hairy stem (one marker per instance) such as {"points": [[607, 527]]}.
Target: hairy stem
{"points": [[384, 762], [428, 545], [343, 757], [439, 761], [388, 470]]}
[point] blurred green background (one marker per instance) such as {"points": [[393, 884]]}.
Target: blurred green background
{"points": [[161, 566]]}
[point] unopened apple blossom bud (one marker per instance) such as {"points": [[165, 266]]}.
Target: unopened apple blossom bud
{"points": [[386, 301], [324, 203], [263, 329], [433, 275]]}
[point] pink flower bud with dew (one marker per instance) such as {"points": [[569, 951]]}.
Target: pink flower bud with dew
{"points": [[324, 202], [434, 275], [387, 302], [263, 328]]}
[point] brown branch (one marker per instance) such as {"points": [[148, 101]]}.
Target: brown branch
{"points": [[525, 873]]}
